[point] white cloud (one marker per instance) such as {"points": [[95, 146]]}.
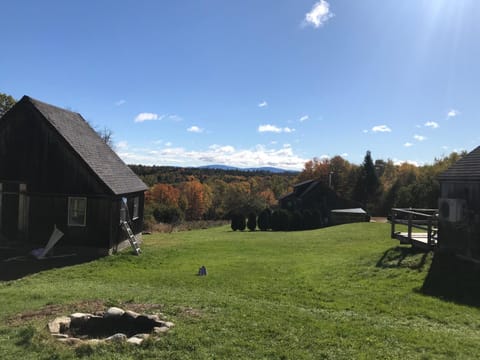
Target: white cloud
{"points": [[168, 144], [120, 102], [175, 117], [453, 113], [419, 137], [195, 129], [304, 118], [365, 131], [147, 117], [381, 128], [408, 144], [121, 145], [432, 124], [319, 14], [274, 129], [411, 162], [344, 155], [263, 104], [227, 149], [257, 156]]}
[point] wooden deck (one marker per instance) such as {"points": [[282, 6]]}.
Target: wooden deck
{"points": [[423, 219], [419, 240]]}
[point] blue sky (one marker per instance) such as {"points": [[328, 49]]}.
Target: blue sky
{"points": [[255, 83]]}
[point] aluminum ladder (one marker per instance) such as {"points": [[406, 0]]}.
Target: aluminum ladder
{"points": [[131, 238]]}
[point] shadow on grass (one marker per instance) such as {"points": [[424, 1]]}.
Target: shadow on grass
{"points": [[403, 257], [15, 264], [453, 279]]}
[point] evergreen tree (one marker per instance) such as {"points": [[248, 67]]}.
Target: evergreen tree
{"points": [[252, 221], [264, 219], [367, 185]]}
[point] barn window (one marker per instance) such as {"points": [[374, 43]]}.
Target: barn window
{"points": [[123, 209], [135, 208], [77, 211]]}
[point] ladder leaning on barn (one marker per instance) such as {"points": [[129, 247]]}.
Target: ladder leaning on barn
{"points": [[124, 223], [131, 237]]}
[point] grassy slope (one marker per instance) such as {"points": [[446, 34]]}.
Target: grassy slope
{"points": [[329, 293]]}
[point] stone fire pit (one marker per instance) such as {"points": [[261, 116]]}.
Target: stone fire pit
{"points": [[115, 324]]}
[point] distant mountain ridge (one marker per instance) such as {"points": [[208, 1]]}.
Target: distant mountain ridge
{"points": [[264, 169]]}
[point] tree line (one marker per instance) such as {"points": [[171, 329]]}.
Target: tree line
{"points": [[380, 185], [177, 194]]}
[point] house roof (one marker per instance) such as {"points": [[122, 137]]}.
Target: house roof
{"points": [[465, 169], [97, 155], [350, 211]]}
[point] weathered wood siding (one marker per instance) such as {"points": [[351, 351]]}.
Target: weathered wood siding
{"points": [[462, 237]]}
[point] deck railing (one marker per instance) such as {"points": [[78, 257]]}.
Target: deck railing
{"points": [[423, 219]]}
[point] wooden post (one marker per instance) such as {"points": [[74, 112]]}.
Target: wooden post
{"points": [[429, 231], [392, 233], [410, 226]]}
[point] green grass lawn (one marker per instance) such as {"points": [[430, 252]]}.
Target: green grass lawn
{"points": [[346, 292]]}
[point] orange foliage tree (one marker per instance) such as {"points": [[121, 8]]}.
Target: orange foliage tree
{"points": [[197, 199], [163, 194]]}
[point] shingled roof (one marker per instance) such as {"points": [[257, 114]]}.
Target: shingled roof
{"points": [[97, 155], [465, 169]]}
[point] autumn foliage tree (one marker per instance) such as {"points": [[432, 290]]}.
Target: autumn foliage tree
{"points": [[197, 199]]}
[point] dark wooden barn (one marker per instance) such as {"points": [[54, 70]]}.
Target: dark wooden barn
{"points": [[316, 195], [459, 207], [56, 171]]}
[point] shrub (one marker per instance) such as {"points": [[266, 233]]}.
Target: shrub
{"points": [[252, 222], [264, 219], [297, 221], [280, 220], [238, 222], [167, 214]]}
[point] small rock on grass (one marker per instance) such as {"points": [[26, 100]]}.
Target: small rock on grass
{"points": [[60, 324], [135, 340]]}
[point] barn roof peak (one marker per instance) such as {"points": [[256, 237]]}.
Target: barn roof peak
{"points": [[96, 154], [465, 169]]}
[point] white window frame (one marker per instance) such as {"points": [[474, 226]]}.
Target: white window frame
{"points": [[75, 201], [135, 207]]}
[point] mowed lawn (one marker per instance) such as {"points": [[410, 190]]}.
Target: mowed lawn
{"points": [[345, 292]]}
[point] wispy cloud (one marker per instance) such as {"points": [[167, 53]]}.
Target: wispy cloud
{"points": [[147, 117], [274, 129], [263, 104], [319, 14], [120, 102], [432, 124], [419, 137], [381, 128], [453, 113], [408, 144], [174, 117], [195, 129], [121, 145], [304, 118], [365, 131]]}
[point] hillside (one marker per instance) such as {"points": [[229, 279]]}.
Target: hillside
{"points": [[335, 293]]}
